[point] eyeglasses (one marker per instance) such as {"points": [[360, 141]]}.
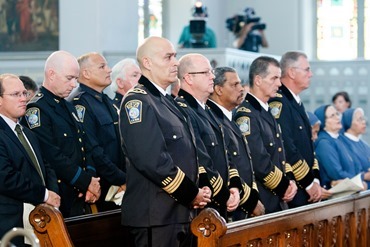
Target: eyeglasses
{"points": [[335, 114], [207, 73], [308, 69], [17, 94]]}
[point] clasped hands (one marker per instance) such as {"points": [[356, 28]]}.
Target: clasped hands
{"points": [[93, 191]]}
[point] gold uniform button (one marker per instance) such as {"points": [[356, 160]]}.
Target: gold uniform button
{"points": [[84, 158], [65, 134], [79, 139], [174, 136], [213, 143], [82, 149], [271, 144], [280, 149], [283, 162], [235, 153], [59, 181], [300, 127], [277, 135]]}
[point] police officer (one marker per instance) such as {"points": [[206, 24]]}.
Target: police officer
{"points": [[100, 119], [227, 94], [61, 134], [196, 79], [290, 113], [157, 138], [274, 179]]}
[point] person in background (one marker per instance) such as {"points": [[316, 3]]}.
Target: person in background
{"points": [[228, 93], [162, 191], [62, 136], [30, 86], [25, 180], [334, 157], [206, 39], [290, 113], [341, 101], [315, 125], [99, 117], [249, 38], [274, 178], [354, 125], [125, 75]]}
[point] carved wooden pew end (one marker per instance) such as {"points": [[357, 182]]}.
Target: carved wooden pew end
{"points": [[49, 226]]}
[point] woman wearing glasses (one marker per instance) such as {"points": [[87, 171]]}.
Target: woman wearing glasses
{"points": [[334, 157], [354, 125]]}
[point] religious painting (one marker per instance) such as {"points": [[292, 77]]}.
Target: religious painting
{"points": [[29, 25]]}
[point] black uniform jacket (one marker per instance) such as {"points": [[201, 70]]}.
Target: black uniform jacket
{"points": [[55, 123], [209, 134], [297, 135], [239, 154], [19, 180], [163, 171], [265, 141]]}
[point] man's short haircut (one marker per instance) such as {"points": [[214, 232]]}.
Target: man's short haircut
{"points": [[260, 67], [289, 59], [220, 78], [3, 77], [28, 83]]}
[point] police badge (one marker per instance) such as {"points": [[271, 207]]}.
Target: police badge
{"points": [[133, 110], [33, 117]]}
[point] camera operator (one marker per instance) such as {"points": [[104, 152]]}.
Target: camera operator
{"points": [[204, 37], [251, 34]]}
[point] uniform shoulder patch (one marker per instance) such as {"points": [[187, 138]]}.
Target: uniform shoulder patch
{"points": [[275, 108], [33, 117], [243, 109], [133, 110], [244, 124], [81, 110]]}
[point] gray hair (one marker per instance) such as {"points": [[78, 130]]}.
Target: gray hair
{"points": [[119, 71]]}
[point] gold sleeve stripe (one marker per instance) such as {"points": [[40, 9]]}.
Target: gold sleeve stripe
{"points": [[288, 167], [202, 170], [254, 186], [315, 165], [300, 170], [216, 184], [174, 185], [234, 173], [273, 179], [247, 191]]}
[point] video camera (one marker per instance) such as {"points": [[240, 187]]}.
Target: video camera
{"points": [[198, 26], [236, 23]]}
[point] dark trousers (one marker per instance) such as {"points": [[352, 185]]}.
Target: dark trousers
{"points": [[161, 236]]}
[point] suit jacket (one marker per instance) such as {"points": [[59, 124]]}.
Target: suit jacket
{"points": [[62, 137], [239, 154], [20, 182], [264, 136], [163, 171], [297, 135]]}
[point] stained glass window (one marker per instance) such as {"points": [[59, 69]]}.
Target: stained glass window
{"points": [[337, 35], [150, 19]]}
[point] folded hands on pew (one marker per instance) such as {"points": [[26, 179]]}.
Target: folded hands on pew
{"points": [[53, 199], [234, 199], [203, 197], [290, 192]]}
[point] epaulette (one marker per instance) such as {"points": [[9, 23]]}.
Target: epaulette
{"points": [[36, 98], [77, 96], [183, 105], [137, 91], [243, 109], [278, 95]]}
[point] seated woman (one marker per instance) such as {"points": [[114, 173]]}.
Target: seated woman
{"points": [[354, 125], [334, 158]]}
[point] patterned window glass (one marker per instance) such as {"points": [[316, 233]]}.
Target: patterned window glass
{"points": [[150, 19], [337, 36]]}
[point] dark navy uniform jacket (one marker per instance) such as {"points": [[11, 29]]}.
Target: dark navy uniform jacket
{"points": [[163, 172], [297, 135], [210, 142], [100, 120], [117, 100], [239, 154], [19, 180], [265, 141], [63, 142]]}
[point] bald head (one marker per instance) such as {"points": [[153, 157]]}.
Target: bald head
{"points": [[157, 60], [61, 73]]}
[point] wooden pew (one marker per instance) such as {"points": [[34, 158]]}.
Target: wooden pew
{"points": [[337, 222]]}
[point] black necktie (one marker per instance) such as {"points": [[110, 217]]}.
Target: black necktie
{"points": [[29, 151]]}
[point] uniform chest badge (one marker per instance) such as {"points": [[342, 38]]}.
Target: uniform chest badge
{"points": [[243, 109], [244, 124], [81, 110], [133, 110], [275, 108], [33, 117]]}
